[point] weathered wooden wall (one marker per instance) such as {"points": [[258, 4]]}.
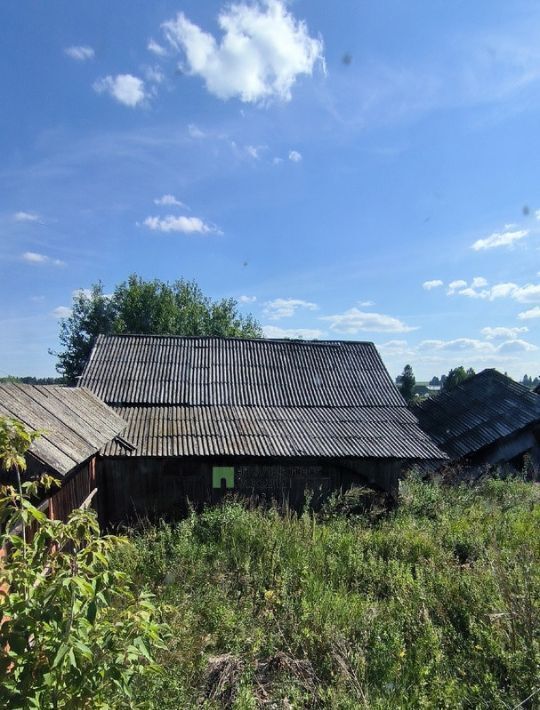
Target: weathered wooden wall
{"points": [[131, 488], [75, 489]]}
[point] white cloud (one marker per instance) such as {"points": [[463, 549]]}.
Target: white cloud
{"points": [[502, 290], [277, 161], [247, 299], [26, 217], [366, 304], [286, 307], [186, 225], [80, 52], [472, 293], [61, 312], [272, 331], [471, 345], [531, 313], [168, 200], [156, 48], [353, 321], [434, 283], [262, 52], [501, 332], [457, 345], [32, 257], [529, 293], [454, 286], [500, 239], [295, 156], [537, 214], [125, 88], [479, 282]]}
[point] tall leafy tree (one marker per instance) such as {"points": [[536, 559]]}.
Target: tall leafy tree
{"points": [[407, 382], [456, 376], [150, 307]]}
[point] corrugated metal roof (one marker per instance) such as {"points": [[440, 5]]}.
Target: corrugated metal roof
{"points": [[483, 409], [74, 422], [210, 396], [338, 432], [168, 370]]}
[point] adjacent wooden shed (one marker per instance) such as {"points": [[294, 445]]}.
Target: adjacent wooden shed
{"points": [[488, 419], [75, 424], [261, 417]]}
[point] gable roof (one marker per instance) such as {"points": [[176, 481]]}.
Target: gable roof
{"points": [[171, 370], [207, 396], [74, 423], [486, 407]]}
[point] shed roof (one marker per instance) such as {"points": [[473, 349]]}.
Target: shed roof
{"points": [[207, 396], [169, 370], [290, 432], [483, 409], [74, 423]]}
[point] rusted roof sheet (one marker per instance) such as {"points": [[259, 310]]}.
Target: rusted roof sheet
{"points": [[483, 409], [339, 432], [168, 370], [74, 423]]}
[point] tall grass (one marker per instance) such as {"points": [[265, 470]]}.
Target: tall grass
{"points": [[432, 605]]}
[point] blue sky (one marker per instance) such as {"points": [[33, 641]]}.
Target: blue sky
{"points": [[369, 173]]}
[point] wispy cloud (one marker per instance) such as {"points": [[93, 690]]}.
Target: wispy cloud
{"points": [[156, 48], [295, 156], [247, 299], [26, 217], [273, 331], [500, 239], [62, 312], [81, 52], [355, 321], [434, 283], [168, 200], [32, 257], [127, 89], [501, 332], [286, 307], [468, 345], [185, 225], [528, 293], [263, 51], [195, 132]]}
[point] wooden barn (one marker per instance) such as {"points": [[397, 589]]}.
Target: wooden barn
{"points": [[75, 425], [264, 418], [487, 420]]}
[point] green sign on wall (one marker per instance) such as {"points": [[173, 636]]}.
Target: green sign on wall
{"points": [[226, 472]]}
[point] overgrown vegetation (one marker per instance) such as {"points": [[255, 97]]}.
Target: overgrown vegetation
{"points": [[432, 605], [74, 631]]}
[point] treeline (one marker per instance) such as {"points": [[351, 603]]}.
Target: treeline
{"points": [[33, 380], [406, 382], [408, 387]]}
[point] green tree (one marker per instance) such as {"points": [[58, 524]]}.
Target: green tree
{"points": [[456, 376], [74, 631], [407, 382], [149, 307]]}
